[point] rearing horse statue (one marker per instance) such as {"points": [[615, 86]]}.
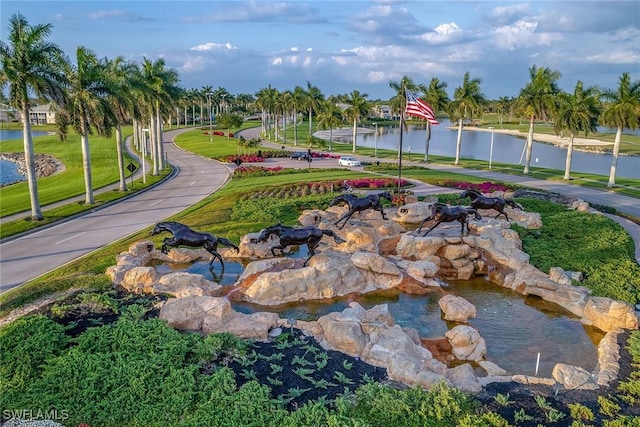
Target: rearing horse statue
{"points": [[184, 236], [310, 236], [357, 204], [479, 201]]}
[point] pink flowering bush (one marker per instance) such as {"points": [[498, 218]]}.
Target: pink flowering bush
{"points": [[251, 158], [485, 187], [374, 183], [247, 171]]}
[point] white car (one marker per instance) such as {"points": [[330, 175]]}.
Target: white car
{"points": [[349, 161]]}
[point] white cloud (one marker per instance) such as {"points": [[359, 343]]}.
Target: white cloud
{"points": [[106, 14], [212, 46], [614, 57], [442, 34], [523, 34]]}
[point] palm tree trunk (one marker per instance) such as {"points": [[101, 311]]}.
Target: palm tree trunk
{"points": [[310, 122], [529, 147], [86, 165], [567, 166], [30, 163], [426, 146], [614, 162], [355, 133], [330, 136], [160, 149], [123, 182], [458, 142], [295, 128]]}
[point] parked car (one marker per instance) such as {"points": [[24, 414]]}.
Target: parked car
{"points": [[349, 161], [299, 155]]}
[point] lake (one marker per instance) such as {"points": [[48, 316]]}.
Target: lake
{"points": [[506, 149], [9, 170]]}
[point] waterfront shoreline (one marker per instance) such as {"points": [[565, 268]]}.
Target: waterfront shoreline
{"points": [[46, 165]]}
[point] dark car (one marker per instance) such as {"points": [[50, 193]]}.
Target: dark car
{"points": [[299, 155]]}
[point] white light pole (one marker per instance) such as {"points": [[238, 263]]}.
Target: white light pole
{"points": [[491, 149], [375, 146], [210, 121], [143, 151]]}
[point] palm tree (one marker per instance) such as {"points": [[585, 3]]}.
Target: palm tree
{"points": [[398, 102], [577, 112], [31, 63], [357, 108], [330, 116], [537, 100], [266, 100], [298, 100], [621, 111], [122, 74], [88, 106], [467, 101], [436, 96], [502, 105], [313, 100]]}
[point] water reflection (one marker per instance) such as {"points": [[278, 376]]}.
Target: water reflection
{"points": [[515, 328], [507, 149]]}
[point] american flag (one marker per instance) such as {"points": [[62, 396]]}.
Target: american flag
{"points": [[417, 107]]}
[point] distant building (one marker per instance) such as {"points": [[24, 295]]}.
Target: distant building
{"points": [[8, 114], [42, 115]]}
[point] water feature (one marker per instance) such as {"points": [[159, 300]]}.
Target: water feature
{"points": [[514, 327], [9, 170], [506, 149]]}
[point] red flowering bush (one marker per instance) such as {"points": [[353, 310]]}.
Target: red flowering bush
{"points": [[485, 188], [253, 158], [245, 171], [374, 183]]}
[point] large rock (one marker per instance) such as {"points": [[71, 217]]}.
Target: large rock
{"points": [[466, 343], [456, 309], [416, 247], [181, 284], [608, 314], [139, 280], [189, 312], [573, 377]]}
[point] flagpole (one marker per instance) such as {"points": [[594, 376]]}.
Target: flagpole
{"points": [[400, 143]]}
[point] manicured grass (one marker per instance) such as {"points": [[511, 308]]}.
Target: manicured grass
{"points": [[70, 182]]}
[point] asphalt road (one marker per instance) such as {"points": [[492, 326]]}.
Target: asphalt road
{"points": [[35, 254]]}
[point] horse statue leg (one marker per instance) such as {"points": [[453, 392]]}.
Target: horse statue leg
{"points": [[431, 228], [501, 211], [381, 210], [215, 255], [312, 244], [346, 218], [168, 241], [336, 238]]}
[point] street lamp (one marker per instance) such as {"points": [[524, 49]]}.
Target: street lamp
{"points": [[375, 141], [491, 149], [210, 121]]}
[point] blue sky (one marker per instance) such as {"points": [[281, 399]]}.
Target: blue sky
{"points": [[340, 46]]}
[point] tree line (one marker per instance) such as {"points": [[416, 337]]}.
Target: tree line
{"points": [[100, 95]]}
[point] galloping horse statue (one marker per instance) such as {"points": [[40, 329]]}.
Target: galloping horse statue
{"points": [[442, 213], [357, 204], [310, 236], [479, 201], [184, 236]]}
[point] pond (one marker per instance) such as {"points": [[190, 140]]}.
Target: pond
{"points": [[507, 149], [9, 170], [516, 328]]}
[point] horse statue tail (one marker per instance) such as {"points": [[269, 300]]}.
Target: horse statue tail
{"points": [[513, 204], [228, 243], [336, 238]]}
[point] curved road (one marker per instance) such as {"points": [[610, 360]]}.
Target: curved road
{"points": [[35, 254]]}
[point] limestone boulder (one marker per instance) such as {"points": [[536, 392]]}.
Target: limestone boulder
{"points": [[141, 248], [466, 343], [464, 378], [423, 270], [343, 333], [250, 248], [559, 276], [456, 309], [607, 314], [182, 284], [412, 213], [573, 377], [139, 280], [255, 326], [188, 313], [415, 247]]}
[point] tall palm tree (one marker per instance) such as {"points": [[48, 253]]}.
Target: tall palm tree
{"points": [[436, 96], [621, 111], [313, 100], [358, 107], [122, 74], [502, 105], [577, 112], [468, 100], [537, 101], [266, 100], [329, 116], [88, 107], [29, 62], [298, 100]]}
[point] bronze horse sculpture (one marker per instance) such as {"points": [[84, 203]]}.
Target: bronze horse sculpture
{"points": [[184, 236], [442, 213], [479, 201], [310, 236], [358, 203]]}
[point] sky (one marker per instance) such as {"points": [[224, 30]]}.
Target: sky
{"points": [[341, 46]]}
